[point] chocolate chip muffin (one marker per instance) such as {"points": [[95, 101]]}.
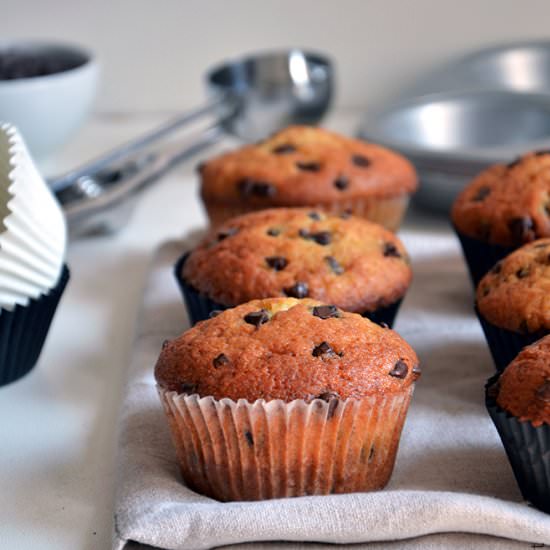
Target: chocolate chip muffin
{"points": [[299, 396], [519, 404], [307, 166], [354, 264], [503, 208], [513, 301]]}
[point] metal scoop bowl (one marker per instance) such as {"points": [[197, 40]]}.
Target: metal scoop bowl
{"points": [[249, 98]]}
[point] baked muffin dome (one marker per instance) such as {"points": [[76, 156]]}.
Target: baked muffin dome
{"points": [[284, 348], [515, 294], [308, 166], [352, 263], [507, 204], [523, 389]]}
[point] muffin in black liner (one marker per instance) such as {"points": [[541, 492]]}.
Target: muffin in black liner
{"points": [[505, 344], [481, 256], [527, 448], [23, 332], [200, 307]]}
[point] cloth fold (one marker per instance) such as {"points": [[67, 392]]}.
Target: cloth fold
{"points": [[451, 475]]}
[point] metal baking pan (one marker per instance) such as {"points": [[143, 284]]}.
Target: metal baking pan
{"points": [[451, 137]]}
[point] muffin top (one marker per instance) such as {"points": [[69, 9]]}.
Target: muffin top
{"points": [[350, 262], [507, 204], [515, 294], [304, 165], [523, 389], [284, 348]]}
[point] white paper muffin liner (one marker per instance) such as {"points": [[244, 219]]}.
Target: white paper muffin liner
{"points": [[253, 451], [33, 234]]}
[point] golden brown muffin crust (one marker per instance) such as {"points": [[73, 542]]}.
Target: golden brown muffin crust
{"points": [[507, 204], [515, 294], [283, 348], [352, 263], [524, 387], [303, 165]]}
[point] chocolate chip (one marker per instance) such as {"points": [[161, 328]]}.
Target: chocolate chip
{"points": [[284, 149], [334, 265], [360, 160], [225, 233], [543, 393], [297, 290], [341, 182], [304, 233], [328, 396], [346, 215], [220, 360], [315, 216], [309, 166], [482, 194], [278, 263], [514, 163], [417, 371], [263, 189], [321, 237], [384, 325], [332, 399], [273, 232], [249, 438], [371, 454], [189, 388], [322, 349], [523, 272], [399, 370], [257, 318], [522, 229], [325, 312], [390, 251], [497, 268]]}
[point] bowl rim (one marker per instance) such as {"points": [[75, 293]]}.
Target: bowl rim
{"points": [[89, 59]]}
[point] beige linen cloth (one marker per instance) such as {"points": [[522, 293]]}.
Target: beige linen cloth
{"points": [[452, 486]]}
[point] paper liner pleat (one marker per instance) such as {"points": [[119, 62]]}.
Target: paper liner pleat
{"points": [[200, 307], [253, 451], [23, 331], [481, 256], [528, 450], [504, 344], [387, 211]]}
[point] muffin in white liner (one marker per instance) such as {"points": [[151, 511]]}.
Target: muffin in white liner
{"points": [[33, 276]]}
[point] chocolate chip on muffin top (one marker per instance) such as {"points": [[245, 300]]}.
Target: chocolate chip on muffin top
{"points": [[523, 389], [507, 205], [304, 350], [297, 252], [515, 294]]}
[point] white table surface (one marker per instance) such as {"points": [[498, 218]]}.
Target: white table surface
{"points": [[58, 424]]}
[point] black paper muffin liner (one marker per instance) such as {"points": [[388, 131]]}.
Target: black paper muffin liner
{"points": [[23, 332], [481, 256], [505, 344], [527, 448], [200, 307]]}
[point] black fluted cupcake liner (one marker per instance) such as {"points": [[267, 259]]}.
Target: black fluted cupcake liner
{"points": [[200, 307], [23, 332], [505, 344], [481, 256], [527, 448]]}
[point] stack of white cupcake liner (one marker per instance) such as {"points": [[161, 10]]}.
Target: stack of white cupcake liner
{"points": [[33, 233]]}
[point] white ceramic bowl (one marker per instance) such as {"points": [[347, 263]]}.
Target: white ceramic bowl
{"points": [[48, 109]]}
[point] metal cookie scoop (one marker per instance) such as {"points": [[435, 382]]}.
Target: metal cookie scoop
{"points": [[250, 98]]}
